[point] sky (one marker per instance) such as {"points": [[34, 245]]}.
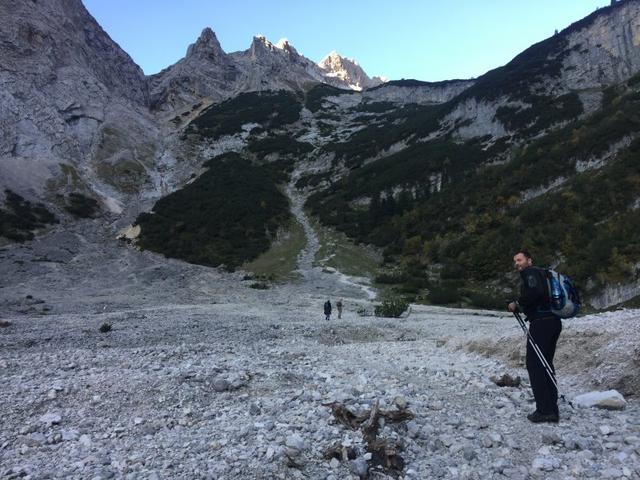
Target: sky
{"points": [[422, 39]]}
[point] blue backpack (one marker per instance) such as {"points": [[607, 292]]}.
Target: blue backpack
{"points": [[563, 295]]}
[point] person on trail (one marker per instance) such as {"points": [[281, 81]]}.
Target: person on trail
{"points": [[545, 328], [339, 307], [327, 310]]}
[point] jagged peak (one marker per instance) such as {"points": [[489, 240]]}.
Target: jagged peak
{"points": [[261, 40], [283, 43], [207, 42], [334, 58]]}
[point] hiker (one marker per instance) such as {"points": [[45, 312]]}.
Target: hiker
{"points": [[545, 328], [327, 310], [339, 307]]}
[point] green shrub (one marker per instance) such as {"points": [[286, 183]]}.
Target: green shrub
{"points": [[443, 295], [105, 327], [81, 206], [259, 286], [391, 308], [452, 271], [227, 216], [390, 278], [281, 144], [20, 218], [484, 300], [270, 109], [318, 93]]}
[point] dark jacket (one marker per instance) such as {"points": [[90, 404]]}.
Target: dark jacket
{"points": [[534, 293], [327, 308]]}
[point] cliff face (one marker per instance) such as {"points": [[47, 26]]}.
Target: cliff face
{"points": [[604, 52], [402, 92], [73, 107], [600, 50]]}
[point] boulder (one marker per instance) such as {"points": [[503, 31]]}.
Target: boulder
{"points": [[608, 400]]}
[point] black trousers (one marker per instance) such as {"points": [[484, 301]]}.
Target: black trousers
{"points": [[545, 332]]}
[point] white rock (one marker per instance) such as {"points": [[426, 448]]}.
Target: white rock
{"points": [[51, 418], [620, 457], [334, 463], [270, 453], [68, 435], [360, 467], [605, 429], [295, 441], [85, 440], [609, 400], [547, 464]]}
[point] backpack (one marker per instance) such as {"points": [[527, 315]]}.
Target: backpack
{"points": [[564, 298]]}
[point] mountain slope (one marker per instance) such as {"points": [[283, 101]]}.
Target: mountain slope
{"points": [[447, 178], [450, 186], [73, 109]]}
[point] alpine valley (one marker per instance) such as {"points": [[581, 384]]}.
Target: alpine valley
{"points": [[222, 158], [169, 245]]}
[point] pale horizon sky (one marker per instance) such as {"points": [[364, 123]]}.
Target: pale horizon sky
{"points": [[424, 40]]}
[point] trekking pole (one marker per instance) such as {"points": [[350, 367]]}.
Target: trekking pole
{"points": [[541, 357]]}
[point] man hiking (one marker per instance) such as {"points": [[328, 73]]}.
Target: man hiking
{"points": [[327, 310], [545, 328], [339, 307]]}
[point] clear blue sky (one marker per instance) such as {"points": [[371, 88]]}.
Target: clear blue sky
{"points": [[422, 39]]}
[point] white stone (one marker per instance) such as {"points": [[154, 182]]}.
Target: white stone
{"points": [[51, 418], [85, 440], [608, 400], [295, 441]]}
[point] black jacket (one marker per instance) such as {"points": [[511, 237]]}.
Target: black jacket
{"points": [[327, 308], [534, 293]]}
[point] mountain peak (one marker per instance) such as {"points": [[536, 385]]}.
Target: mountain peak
{"points": [[284, 45], [348, 71], [335, 58], [207, 44]]}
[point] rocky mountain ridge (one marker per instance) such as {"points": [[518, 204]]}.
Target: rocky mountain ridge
{"points": [[209, 74]]}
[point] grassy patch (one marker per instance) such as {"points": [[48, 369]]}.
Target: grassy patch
{"points": [[341, 253], [280, 260]]}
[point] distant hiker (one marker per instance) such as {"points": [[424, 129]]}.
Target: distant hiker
{"points": [[545, 328], [327, 310], [339, 307]]}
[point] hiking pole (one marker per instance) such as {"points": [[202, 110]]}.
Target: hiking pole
{"points": [[543, 360]]}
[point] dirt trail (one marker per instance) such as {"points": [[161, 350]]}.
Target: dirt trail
{"points": [[315, 275]]}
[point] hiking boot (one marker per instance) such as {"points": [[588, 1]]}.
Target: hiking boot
{"points": [[537, 417]]}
